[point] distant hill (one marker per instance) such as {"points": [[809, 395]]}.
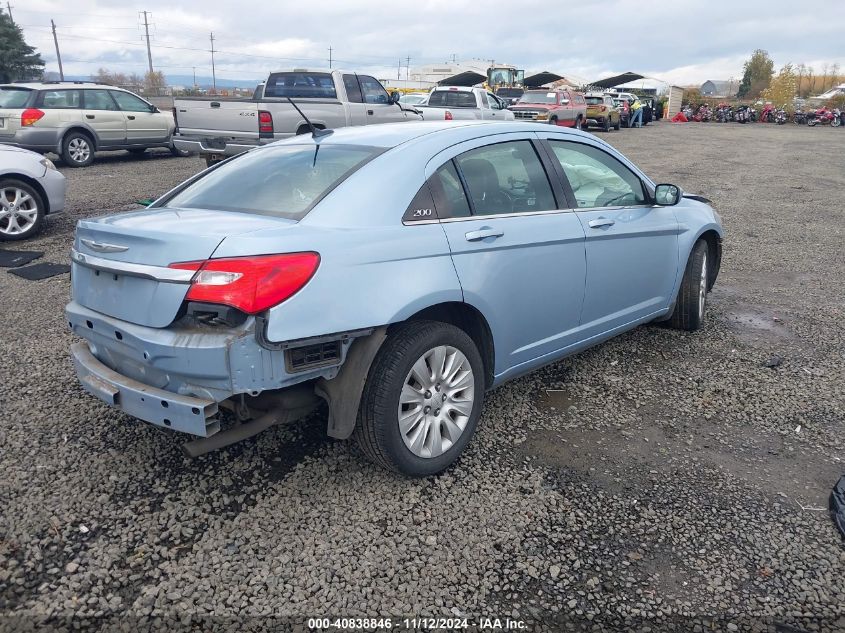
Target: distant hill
{"points": [[188, 81]]}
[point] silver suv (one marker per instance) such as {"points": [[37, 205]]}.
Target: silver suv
{"points": [[75, 119]]}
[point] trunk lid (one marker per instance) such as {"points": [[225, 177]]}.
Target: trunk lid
{"points": [[121, 265]]}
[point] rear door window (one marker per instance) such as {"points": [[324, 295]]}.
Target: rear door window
{"points": [[60, 99], [506, 178], [353, 90], [284, 181], [14, 97], [99, 100], [300, 84]]}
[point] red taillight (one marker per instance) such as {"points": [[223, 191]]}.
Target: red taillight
{"points": [[30, 116], [447, 116], [250, 284], [602, 108], [265, 122]]}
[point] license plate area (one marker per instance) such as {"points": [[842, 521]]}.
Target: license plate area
{"points": [[215, 143]]}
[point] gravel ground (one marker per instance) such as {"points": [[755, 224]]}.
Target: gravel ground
{"points": [[666, 479]]}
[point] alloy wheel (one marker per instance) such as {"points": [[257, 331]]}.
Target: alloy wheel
{"points": [[18, 211], [436, 401], [702, 288], [79, 149]]}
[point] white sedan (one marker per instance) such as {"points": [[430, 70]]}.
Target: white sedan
{"points": [[30, 188]]}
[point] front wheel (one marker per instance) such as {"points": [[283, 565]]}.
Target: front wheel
{"points": [[22, 210], [692, 295], [835, 122], [579, 122], [618, 124], [422, 399], [606, 124]]}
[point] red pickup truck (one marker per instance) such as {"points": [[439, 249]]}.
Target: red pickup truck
{"points": [[556, 107]]}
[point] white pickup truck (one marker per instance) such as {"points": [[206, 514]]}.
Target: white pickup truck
{"points": [[220, 127], [460, 103]]}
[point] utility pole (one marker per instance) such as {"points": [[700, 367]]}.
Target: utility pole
{"points": [[399, 69], [9, 8], [213, 71], [407, 68], [58, 56], [330, 57], [195, 77], [149, 53]]}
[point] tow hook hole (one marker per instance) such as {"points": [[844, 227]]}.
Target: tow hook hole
{"points": [[146, 356], [166, 422], [70, 324], [90, 325], [165, 404], [118, 336], [195, 411], [96, 273]]}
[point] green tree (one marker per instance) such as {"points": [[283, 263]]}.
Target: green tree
{"points": [[18, 60], [757, 74]]}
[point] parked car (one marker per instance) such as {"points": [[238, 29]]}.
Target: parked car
{"points": [[397, 272], [601, 111], [461, 103], [218, 127], [555, 107], [76, 119], [30, 188], [413, 98]]}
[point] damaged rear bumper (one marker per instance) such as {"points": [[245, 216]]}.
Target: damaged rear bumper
{"points": [[188, 414]]}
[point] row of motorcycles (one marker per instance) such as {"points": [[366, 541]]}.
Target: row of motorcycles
{"points": [[725, 113]]}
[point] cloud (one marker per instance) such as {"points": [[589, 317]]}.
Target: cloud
{"points": [[676, 42]]}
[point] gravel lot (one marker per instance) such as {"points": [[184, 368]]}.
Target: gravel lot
{"points": [[665, 479]]}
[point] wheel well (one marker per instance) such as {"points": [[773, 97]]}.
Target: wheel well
{"points": [[32, 183], [81, 130], [714, 252], [471, 321]]}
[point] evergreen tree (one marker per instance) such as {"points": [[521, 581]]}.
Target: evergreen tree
{"points": [[757, 75], [18, 60]]}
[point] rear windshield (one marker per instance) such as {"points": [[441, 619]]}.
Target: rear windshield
{"points": [[303, 85], [283, 181], [452, 99], [539, 97], [594, 100], [14, 97]]}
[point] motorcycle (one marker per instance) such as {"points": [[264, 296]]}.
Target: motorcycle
{"points": [[723, 113], [800, 117], [781, 115], [703, 114], [824, 115], [768, 115]]}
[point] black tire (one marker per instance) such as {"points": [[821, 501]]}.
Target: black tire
{"points": [[72, 153], [181, 153], [377, 430], [137, 151], [691, 301], [606, 124], [579, 123], [210, 162], [553, 121], [40, 211], [618, 124]]}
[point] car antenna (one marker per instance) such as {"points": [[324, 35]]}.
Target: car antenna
{"points": [[315, 132]]}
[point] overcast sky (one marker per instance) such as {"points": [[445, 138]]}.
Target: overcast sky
{"points": [[680, 42]]}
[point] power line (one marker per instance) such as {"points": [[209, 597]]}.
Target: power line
{"points": [[58, 55], [149, 54]]}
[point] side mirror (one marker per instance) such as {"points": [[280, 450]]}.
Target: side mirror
{"points": [[394, 97], [667, 195], [564, 102], [153, 109]]}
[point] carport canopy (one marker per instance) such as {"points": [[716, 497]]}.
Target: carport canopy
{"points": [[617, 80], [468, 78], [541, 79]]}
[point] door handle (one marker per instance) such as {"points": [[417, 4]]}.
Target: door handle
{"points": [[215, 104], [89, 116], [130, 117], [474, 236], [369, 111], [599, 223]]}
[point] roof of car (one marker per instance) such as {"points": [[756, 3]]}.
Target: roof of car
{"points": [[389, 135], [61, 84]]}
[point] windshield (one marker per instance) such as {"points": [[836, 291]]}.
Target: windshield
{"points": [[539, 97], [14, 97], [284, 181], [594, 100]]}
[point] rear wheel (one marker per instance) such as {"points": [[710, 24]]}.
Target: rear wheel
{"points": [[77, 149], [422, 399], [22, 210], [606, 124], [692, 295], [618, 124], [579, 122]]}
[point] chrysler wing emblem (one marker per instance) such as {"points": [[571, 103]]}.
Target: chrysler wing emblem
{"points": [[101, 247]]}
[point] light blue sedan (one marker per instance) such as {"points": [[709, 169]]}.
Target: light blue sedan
{"points": [[396, 272]]}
